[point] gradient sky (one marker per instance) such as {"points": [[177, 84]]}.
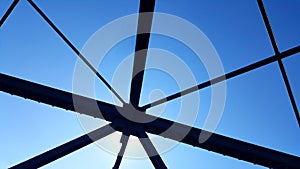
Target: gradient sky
{"points": [[257, 107]]}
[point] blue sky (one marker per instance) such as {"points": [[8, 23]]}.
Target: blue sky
{"points": [[257, 108]]}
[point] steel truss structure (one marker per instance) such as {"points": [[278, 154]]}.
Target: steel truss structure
{"points": [[216, 143]]}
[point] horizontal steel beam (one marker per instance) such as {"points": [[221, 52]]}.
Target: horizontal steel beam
{"points": [[176, 131], [57, 98], [223, 145]]}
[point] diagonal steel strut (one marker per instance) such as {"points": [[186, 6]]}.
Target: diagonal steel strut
{"points": [[154, 156], [65, 39], [280, 63], [65, 149], [217, 143], [176, 131], [123, 141], [8, 12], [227, 76]]}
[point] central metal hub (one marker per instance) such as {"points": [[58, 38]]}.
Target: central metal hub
{"points": [[132, 119], [132, 114]]}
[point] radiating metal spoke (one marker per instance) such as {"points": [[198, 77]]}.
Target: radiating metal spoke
{"points": [[8, 12], [123, 141], [58, 98], [65, 149], [268, 26], [216, 143], [151, 151], [280, 63], [227, 76], [44, 16], [222, 144], [289, 90], [141, 48], [162, 127]]}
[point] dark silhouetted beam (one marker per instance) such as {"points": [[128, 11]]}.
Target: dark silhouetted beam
{"points": [[280, 63], [65, 149], [141, 48], [154, 156], [216, 143], [224, 145], [44, 16], [56, 97], [229, 75], [8, 12], [289, 90], [123, 141], [268, 26]]}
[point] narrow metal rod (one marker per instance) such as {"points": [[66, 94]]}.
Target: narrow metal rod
{"points": [[154, 156], [289, 90], [229, 75], [280, 63], [123, 141], [65, 149], [8, 12], [268, 26], [44, 16]]}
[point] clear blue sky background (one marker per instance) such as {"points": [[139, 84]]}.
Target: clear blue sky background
{"points": [[257, 108]]}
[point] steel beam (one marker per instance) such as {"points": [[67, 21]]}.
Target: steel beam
{"points": [[176, 131], [8, 12], [227, 76], [65, 149], [154, 156], [280, 63], [268, 25], [57, 98], [124, 141], [223, 145], [141, 48], [68, 42]]}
